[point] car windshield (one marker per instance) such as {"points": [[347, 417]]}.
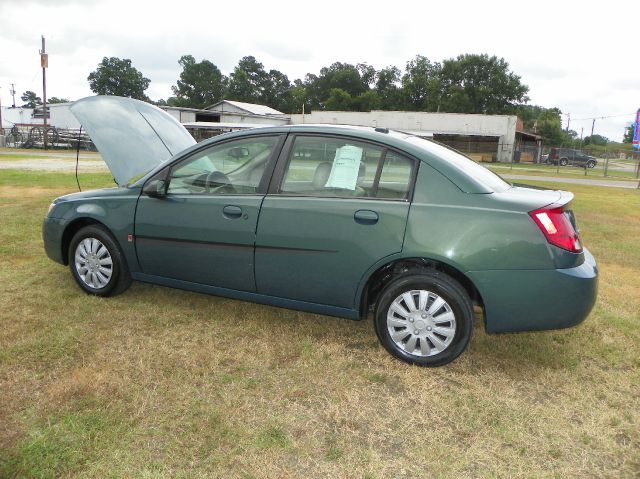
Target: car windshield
{"points": [[478, 172]]}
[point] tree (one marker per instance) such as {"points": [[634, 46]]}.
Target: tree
{"points": [[597, 140], [628, 133], [54, 99], [529, 115], [277, 92], [367, 101], [247, 82], [201, 83], [30, 99], [341, 76], [421, 85], [480, 84], [387, 81], [339, 100], [115, 76], [549, 125]]}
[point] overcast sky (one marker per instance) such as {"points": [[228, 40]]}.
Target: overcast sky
{"points": [[576, 55]]}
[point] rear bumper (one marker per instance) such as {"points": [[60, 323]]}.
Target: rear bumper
{"points": [[52, 231], [533, 300]]}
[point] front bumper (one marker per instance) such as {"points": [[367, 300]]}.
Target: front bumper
{"points": [[530, 300], [52, 235]]}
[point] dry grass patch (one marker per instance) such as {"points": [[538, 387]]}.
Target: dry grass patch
{"points": [[166, 383]]}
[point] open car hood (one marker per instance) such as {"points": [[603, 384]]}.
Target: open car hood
{"points": [[132, 136]]}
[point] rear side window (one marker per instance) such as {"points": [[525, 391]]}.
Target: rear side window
{"points": [[395, 177], [335, 167], [466, 165]]}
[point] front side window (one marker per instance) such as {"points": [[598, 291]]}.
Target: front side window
{"points": [[336, 167], [234, 167]]}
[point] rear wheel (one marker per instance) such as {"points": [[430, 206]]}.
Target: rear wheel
{"points": [[564, 162], [424, 318], [96, 262]]}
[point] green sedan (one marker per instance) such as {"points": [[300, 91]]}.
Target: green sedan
{"points": [[335, 220]]}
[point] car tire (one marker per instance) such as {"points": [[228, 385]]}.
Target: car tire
{"points": [[424, 318], [96, 262], [591, 164], [564, 162]]}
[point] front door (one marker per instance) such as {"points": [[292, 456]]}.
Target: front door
{"points": [[203, 230], [341, 206]]}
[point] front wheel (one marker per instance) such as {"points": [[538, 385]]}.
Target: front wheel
{"points": [[424, 318], [591, 164], [96, 262]]}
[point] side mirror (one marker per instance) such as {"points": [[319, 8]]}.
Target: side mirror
{"points": [[155, 189]]}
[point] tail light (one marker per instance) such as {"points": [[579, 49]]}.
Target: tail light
{"points": [[557, 228]]}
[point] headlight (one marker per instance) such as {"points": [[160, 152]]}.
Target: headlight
{"points": [[51, 207]]}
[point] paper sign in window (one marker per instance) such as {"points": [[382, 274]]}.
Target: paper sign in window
{"points": [[345, 168]]}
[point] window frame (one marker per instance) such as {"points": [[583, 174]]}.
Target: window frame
{"points": [[285, 157], [267, 174]]}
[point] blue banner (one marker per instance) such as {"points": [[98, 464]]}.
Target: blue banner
{"points": [[636, 132]]}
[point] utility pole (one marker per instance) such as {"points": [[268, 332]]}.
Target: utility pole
{"points": [[44, 63], [568, 120], [581, 132], [13, 95], [593, 124]]}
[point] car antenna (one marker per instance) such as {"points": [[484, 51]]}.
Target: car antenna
{"points": [[78, 157]]}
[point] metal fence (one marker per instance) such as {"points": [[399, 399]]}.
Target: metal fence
{"points": [[602, 161], [32, 136]]}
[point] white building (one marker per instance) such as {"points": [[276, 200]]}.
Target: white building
{"points": [[483, 137]]}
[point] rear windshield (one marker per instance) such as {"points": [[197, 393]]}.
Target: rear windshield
{"points": [[469, 167]]}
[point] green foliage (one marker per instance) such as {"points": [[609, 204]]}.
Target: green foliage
{"points": [[549, 125], [421, 85], [201, 84], [367, 101], [247, 81], [251, 83], [115, 76], [54, 99], [339, 76], [339, 100], [387, 87], [30, 99], [480, 84], [597, 140], [628, 133]]}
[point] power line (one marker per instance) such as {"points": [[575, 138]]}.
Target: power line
{"points": [[602, 117]]}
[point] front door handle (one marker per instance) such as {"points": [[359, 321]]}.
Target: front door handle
{"points": [[366, 217], [232, 211]]}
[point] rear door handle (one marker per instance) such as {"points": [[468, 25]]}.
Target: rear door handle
{"points": [[366, 217], [232, 211]]}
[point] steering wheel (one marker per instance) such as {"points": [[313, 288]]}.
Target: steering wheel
{"points": [[218, 182]]}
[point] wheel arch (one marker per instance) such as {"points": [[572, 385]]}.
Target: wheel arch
{"points": [[383, 275], [71, 229]]}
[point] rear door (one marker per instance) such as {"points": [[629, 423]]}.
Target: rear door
{"points": [[337, 206], [203, 230]]}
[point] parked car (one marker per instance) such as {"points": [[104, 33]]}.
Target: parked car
{"points": [[567, 156], [341, 221]]}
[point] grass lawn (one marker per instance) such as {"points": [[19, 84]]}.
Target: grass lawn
{"points": [[165, 383], [616, 172]]}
